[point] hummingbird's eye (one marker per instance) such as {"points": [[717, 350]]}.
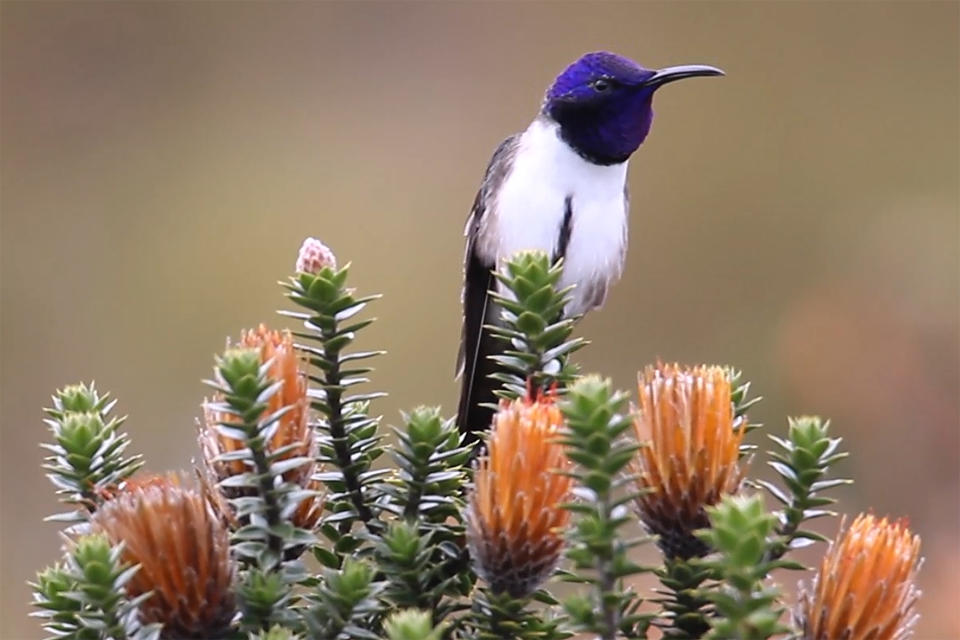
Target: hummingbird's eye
{"points": [[601, 85]]}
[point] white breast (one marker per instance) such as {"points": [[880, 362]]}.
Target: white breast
{"points": [[530, 206]]}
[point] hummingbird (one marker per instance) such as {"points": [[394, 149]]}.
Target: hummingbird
{"points": [[560, 186]]}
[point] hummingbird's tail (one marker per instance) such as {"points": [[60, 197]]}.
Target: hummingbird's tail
{"points": [[477, 399]]}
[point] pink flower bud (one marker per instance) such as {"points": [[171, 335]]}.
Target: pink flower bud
{"points": [[314, 256]]}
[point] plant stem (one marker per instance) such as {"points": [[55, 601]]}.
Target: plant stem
{"points": [[338, 429], [611, 613], [265, 480]]}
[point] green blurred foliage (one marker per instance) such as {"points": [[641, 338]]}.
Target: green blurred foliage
{"points": [[161, 163]]}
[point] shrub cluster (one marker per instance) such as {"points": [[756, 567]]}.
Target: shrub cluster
{"points": [[305, 518]]}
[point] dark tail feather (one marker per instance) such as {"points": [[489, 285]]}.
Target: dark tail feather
{"points": [[477, 390], [475, 348]]}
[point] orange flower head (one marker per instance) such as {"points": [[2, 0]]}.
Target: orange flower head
{"points": [[514, 518], [691, 447], [866, 586], [286, 365], [183, 550]]}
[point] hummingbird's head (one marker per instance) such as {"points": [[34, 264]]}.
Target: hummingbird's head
{"points": [[602, 103]]}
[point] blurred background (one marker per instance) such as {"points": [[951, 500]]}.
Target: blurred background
{"points": [[161, 163]]}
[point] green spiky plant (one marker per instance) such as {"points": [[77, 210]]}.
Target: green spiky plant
{"points": [[347, 434], [262, 545], [87, 460], [83, 597], [538, 337], [597, 442], [389, 558]]}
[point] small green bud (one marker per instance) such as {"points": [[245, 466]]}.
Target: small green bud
{"points": [[50, 586], [403, 541], [276, 632], [532, 279], [411, 624], [94, 555], [55, 596], [77, 397], [97, 568], [739, 527], [589, 395], [240, 368], [81, 435], [425, 425], [261, 593], [580, 609], [355, 580]]}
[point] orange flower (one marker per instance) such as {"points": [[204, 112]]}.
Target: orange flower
{"points": [[293, 428], [689, 460], [514, 518], [866, 586], [183, 551]]}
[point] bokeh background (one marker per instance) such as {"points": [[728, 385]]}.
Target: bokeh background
{"points": [[161, 163]]}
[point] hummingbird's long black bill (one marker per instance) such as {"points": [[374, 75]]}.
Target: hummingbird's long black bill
{"points": [[669, 74]]}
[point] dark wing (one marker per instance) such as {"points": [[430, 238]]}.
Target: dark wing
{"points": [[476, 345]]}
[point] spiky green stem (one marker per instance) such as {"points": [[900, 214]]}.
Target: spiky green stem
{"points": [[532, 325], [348, 437], [802, 460], [596, 444]]}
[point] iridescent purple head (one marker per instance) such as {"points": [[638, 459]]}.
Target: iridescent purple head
{"points": [[602, 103]]}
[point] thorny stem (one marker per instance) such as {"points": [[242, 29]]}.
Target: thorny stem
{"points": [[611, 613], [536, 377], [779, 547], [413, 504], [275, 542], [496, 623], [91, 499], [113, 625], [338, 433], [689, 620], [501, 614], [794, 518]]}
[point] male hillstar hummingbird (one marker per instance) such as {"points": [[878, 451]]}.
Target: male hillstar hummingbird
{"points": [[561, 187]]}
